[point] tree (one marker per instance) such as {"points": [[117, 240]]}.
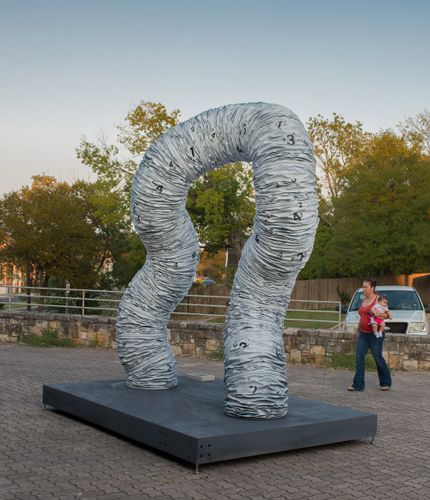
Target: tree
{"points": [[222, 208], [416, 131], [220, 203], [110, 218], [115, 166], [337, 144], [143, 125], [51, 230], [381, 221], [127, 257], [318, 265]]}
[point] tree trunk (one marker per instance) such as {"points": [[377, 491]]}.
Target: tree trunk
{"points": [[234, 256], [29, 283], [45, 283], [234, 251]]}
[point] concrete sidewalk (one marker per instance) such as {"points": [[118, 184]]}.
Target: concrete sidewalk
{"points": [[45, 454]]}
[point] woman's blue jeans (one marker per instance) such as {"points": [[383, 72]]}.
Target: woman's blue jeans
{"points": [[365, 342]]}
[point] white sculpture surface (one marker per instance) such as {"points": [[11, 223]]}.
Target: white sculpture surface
{"points": [[275, 141]]}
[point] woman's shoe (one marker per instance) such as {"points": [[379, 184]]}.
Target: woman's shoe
{"points": [[351, 388], [385, 388]]}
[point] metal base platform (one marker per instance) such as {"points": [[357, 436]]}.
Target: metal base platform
{"points": [[188, 421]]}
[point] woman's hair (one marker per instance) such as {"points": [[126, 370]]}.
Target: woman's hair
{"points": [[371, 282]]}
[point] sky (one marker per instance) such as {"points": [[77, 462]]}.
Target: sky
{"points": [[73, 69]]}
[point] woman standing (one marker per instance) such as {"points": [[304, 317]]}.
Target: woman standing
{"points": [[367, 340]]}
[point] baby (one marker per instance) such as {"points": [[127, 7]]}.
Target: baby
{"points": [[378, 324]]}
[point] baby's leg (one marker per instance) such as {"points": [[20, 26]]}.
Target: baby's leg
{"points": [[375, 329]]}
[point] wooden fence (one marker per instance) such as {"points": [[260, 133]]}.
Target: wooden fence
{"points": [[326, 289], [422, 284]]}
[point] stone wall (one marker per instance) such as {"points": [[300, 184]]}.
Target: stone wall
{"points": [[86, 330], [337, 349], [318, 347]]}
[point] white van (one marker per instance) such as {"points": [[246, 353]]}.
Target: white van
{"points": [[406, 307]]}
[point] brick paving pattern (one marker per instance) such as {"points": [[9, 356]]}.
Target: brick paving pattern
{"points": [[45, 454]]}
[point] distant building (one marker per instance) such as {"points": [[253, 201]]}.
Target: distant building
{"points": [[11, 276]]}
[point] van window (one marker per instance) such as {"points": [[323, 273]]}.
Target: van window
{"points": [[402, 300]]}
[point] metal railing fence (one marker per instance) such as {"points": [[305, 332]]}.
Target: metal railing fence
{"points": [[105, 302]]}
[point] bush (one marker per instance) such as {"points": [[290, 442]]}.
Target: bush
{"points": [[49, 338], [348, 361], [344, 297]]}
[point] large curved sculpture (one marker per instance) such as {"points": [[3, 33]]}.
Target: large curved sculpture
{"points": [[275, 141]]}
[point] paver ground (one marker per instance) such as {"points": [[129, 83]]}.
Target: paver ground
{"points": [[45, 454]]}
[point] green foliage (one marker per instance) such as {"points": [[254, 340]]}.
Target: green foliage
{"points": [[128, 256], [374, 203], [123, 250], [311, 320], [230, 273], [318, 264], [220, 203], [374, 207], [115, 164], [336, 143], [381, 223], [144, 124], [95, 343], [49, 338], [416, 131], [347, 361], [222, 208], [53, 229], [105, 161], [344, 297], [215, 355]]}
